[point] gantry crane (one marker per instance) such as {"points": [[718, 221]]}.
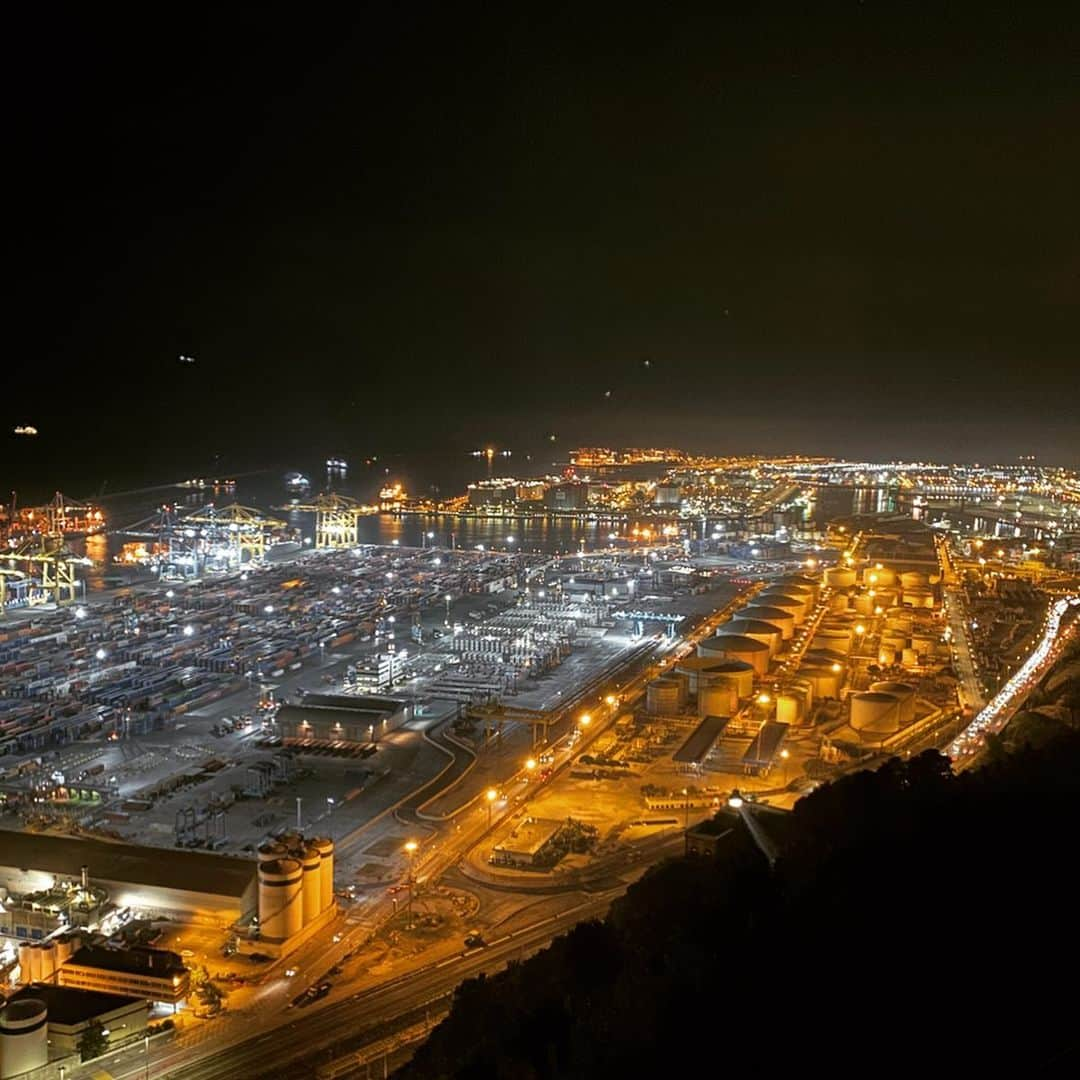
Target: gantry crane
{"points": [[241, 528], [47, 559], [335, 519], [4, 575]]}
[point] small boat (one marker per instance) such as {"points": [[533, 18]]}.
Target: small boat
{"points": [[26, 429], [296, 481]]}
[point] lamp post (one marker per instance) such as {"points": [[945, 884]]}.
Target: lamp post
{"points": [[784, 755], [492, 795], [411, 848], [686, 807], [299, 823], [447, 599]]}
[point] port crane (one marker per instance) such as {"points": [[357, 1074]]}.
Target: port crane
{"points": [[241, 528], [336, 518], [46, 560]]}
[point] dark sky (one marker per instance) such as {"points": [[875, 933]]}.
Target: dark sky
{"points": [[853, 233]]}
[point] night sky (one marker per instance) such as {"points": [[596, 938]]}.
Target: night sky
{"points": [[410, 228]]}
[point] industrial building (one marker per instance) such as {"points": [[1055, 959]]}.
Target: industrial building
{"points": [[24, 1037], [340, 720], [70, 1012], [153, 974], [185, 885]]}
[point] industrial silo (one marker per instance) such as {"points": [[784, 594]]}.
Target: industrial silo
{"points": [[787, 708], [909, 658], [919, 597], [904, 691], [311, 883], [48, 960], [737, 647], [281, 904], [273, 849], [25, 963], [782, 617], [879, 576], [662, 697], [759, 630], [326, 871], [35, 963], [823, 679], [690, 669], [875, 713], [838, 603], [834, 638], [717, 699], [913, 579], [24, 1037], [865, 604], [886, 655]]}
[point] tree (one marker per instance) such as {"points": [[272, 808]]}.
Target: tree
{"points": [[93, 1042]]}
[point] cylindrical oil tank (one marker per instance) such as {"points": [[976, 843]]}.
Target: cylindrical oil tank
{"points": [[838, 639], [734, 673], [913, 579], [886, 656], [824, 680], [899, 621], [804, 581], [24, 1037], [902, 690], [690, 668], [36, 963], [838, 603], [805, 689], [662, 696], [281, 904], [776, 597], [64, 948], [273, 849], [781, 617], [923, 644], [909, 658], [876, 713], [840, 577], [311, 883], [326, 871], [787, 708], [759, 630], [737, 647], [865, 604], [718, 699], [26, 971], [879, 576]]}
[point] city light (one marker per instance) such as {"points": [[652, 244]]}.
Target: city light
{"points": [[189, 630], [100, 654], [530, 764], [585, 720]]}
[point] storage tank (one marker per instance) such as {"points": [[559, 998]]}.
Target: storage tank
{"points": [[879, 576], [35, 963], [782, 617], [919, 598], [886, 655], [838, 603], [273, 849], [733, 673], [759, 630], [825, 681], [326, 871], [24, 1037], [865, 604], [281, 904], [836, 638], [909, 658], [787, 708], [902, 690], [913, 579], [737, 647], [662, 697], [802, 582], [902, 624], [840, 577], [691, 668], [923, 645], [65, 946], [875, 713], [717, 700], [777, 597], [311, 883]]}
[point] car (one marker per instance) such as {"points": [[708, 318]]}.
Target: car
{"points": [[335, 970], [396, 889], [322, 990], [290, 972], [187, 954], [474, 940], [336, 938]]}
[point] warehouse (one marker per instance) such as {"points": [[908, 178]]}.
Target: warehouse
{"points": [[186, 885], [337, 720]]}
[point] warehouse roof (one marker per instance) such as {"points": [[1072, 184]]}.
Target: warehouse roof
{"points": [[168, 868], [70, 1006], [136, 961]]}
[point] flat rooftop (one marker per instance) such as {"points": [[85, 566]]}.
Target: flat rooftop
{"points": [[70, 1006], [530, 838], [138, 961], [166, 868], [698, 745]]}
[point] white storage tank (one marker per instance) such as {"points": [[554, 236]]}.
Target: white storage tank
{"points": [[281, 904], [734, 673], [875, 713], [787, 708], [919, 598], [825, 681], [311, 883], [865, 604], [836, 639], [902, 690], [717, 700], [759, 630], [879, 576], [780, 617], [777, 597], [886, 655], [737, 647], [662, 697], [840, 577], [24, 1037], [48, 960], [913, 579], [909, 658], [923, 645], [326, 871], [25, 968], [36, 963], [838, 603]]}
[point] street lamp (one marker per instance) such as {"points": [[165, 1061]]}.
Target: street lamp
{"points": [[585, 720], [447, 598], [611, 700], [530, 764], [411, 847], [686, 804], [784, 755], [492, 795], [735, 800]]}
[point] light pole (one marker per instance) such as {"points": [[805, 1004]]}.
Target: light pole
{"points": [[784, 755], [447, 598], [686, 806], [492, 795], [146, 1047], [411, 848], [299, 822]]}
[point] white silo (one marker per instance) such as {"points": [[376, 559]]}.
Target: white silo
{"points": [[840, 577], [865, 604], [48, 960], [326, 871], [875, 713], [838, 603], [777, 597], [35, 963], [24, 1037], [904, 691], [824, 680], [25, 968], [886, 655], [909, 658], [311, 883], [281, 904]]}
